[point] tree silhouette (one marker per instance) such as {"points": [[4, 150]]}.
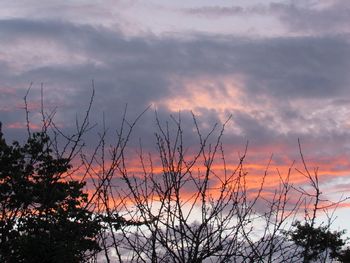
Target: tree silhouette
{"points": [[318, 242], [42, 214]]}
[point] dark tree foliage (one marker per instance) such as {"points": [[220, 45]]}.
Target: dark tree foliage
{"points": [[344, 255], [42, 214], [316, 241]]}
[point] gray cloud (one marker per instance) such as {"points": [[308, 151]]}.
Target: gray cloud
{"points": [[216, 11], [306, 17], [140, 70], [333, 18]]}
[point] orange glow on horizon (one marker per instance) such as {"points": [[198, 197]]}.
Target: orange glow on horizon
{"points": [[254, 174]]}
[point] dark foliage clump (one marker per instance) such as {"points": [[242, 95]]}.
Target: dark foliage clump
{"points": [[316, 241], [43, 217]]}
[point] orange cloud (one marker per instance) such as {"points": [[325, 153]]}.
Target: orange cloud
{"points": [[219, 93], [22, 125]]}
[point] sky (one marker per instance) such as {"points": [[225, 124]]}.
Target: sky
{"points": [[280, 69]]}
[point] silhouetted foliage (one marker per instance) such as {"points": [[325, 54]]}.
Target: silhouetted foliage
{"points": [[42, 214], [317, 241], [344, 255]]}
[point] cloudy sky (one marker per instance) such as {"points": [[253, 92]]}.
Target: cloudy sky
{"points": [[281, 68]]}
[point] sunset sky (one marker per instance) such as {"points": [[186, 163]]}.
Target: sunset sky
{"points": [[281, 68]]}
